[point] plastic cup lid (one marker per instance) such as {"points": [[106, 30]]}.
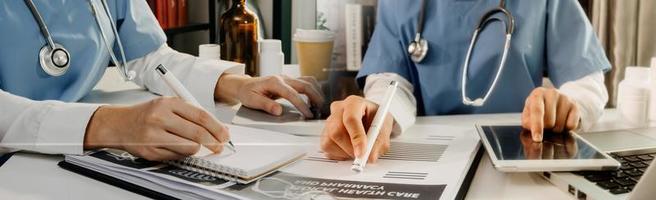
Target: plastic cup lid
{"points": [[304, 35]]}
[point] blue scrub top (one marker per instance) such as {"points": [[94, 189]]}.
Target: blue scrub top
{"points": [[73, 25], [552, 37]]}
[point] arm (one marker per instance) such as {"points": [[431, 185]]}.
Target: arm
{"points": [[200, 76], [404, 108], [209, 80], [51, 127], [590, 95]]}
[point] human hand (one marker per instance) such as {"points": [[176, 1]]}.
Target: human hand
{"points": [[547, 108], [166, 128], [261, 92], [345, 134]]}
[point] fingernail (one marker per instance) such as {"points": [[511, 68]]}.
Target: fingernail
{"points": [[537, 137], [277, 110]]}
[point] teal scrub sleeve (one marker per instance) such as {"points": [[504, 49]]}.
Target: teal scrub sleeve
{"points": [[138, 28], [386, 53], [573, 50]]}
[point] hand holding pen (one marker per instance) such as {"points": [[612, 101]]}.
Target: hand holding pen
{"points": [[176, 86], [345, 134]]}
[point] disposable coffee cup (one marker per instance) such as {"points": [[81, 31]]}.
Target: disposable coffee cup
{"points": [[314, 50]]}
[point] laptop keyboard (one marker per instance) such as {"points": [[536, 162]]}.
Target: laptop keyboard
{"points": [[625, 178]]}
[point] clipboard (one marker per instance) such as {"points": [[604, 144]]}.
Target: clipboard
{"points": [[115, 181], [5, 158]]}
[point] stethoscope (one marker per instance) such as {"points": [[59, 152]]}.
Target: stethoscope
{"points": [[55, 60], [418, 48]]}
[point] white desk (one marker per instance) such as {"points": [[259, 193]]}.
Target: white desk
{"points": [[35, 176]]}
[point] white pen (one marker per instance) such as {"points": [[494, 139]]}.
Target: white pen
{"points": [[374, 129], [182, 92]]}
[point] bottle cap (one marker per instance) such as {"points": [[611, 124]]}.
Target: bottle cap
{"points": [[270, 45], [209, 51], [636, 74]]}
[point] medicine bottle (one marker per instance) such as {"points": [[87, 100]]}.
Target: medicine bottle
{"points": [[271, 57], [238, 36]]}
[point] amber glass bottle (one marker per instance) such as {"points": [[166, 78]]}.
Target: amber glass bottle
{"points": [[238, 36]]}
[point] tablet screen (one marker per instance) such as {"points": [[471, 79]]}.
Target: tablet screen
{"points": [[515, 143]]}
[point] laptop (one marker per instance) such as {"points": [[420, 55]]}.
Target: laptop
{"points": [[634, 180], [290, 121]]}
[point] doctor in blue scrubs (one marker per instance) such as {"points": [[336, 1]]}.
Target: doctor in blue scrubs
{"points": [[551, 38], [53, 52]]}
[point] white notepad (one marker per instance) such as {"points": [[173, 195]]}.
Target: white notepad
{"points": [[252, 160]]}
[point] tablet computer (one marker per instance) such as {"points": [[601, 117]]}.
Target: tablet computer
{"points": [[511, 149]]}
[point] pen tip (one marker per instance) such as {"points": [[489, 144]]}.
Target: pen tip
{"points": [[232, 146]]}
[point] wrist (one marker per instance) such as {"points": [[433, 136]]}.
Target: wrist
{"points": [[101, 131], [228, 87]]}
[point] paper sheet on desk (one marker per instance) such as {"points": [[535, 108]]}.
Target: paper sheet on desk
{"points": [[427, 162]]}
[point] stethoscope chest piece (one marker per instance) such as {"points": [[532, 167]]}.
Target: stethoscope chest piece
{"points": [[418, 49], [54, 61]]}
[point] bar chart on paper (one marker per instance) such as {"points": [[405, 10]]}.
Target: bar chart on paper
{"points": [[405, 151]]}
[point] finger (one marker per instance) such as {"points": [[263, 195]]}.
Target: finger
{"points": [[204, 119], [312, 81], [526, 116], [331, 150], [335, 130], [573, 118], [264, 103], [550, 104], [161, 154], [191, 131], [285, 91], [311, 90], [563, 110], [339, 135], [537, 117], [352, 115], [178, 144]]}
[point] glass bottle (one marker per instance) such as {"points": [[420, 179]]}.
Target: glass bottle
{"points": [[238, 36]]}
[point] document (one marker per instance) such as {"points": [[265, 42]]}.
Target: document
{"points": [[192, 183], [426, 162]]}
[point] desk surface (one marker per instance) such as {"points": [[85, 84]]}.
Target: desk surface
{"points": [[36, 176]]}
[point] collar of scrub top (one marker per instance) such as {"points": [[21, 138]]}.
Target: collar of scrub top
{"points": [[487, 18]]}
